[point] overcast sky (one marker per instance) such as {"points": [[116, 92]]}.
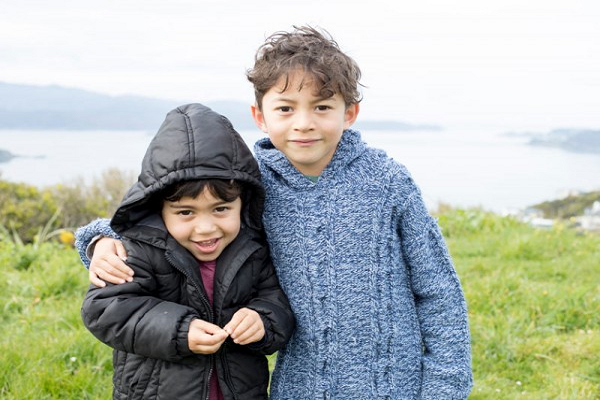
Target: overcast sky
{"points": [[514, 63]]}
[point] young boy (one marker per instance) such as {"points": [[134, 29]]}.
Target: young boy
{"points": [[380, 313], [191, 226]]}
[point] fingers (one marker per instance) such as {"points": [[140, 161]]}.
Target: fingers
{"points": [[110, 269], [204, 337], [95, 280], [108, 263], [121, 252], [245, 327], [251, 335]]}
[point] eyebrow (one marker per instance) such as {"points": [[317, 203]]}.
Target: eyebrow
{"points": [[173, 205], [215, 204], [316, 100], [282, 98]]}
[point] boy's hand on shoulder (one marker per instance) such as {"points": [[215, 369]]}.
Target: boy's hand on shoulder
{"points": [[107, 263], [245, 327], [204, 337]]}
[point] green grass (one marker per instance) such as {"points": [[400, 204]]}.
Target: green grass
{"points": [[533, 297], [46, 353], [534, 306]]}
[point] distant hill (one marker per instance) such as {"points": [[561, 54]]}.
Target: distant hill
{"points": [[576, 140], [5, 156], [57, 107], [386, 125], [570, 206]]}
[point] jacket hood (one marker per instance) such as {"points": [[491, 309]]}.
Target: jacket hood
{"points": [[193, 142]]}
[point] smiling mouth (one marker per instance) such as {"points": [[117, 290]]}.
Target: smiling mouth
{"points": [[304, 141], [207, 246]]}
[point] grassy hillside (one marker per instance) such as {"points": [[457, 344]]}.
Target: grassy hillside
{"points": [[570, 206], [46, 351], [534, 306], [533, 296]]}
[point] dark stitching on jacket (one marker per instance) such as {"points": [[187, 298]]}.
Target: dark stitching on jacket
{"points": [[190, 137], [234, 146]]}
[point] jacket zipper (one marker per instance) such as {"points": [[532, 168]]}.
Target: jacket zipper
{"points": [[205, 301], [227, 376], [208, 307], [210, 371]]}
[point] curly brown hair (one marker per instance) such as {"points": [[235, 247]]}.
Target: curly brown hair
{"points": [[312, 51]]}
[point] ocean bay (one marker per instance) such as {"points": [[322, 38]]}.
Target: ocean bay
{"points": [[460, 167]]}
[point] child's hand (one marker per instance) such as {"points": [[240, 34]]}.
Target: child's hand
{"points": [[204, 337], [245, 327], [107, 263]]}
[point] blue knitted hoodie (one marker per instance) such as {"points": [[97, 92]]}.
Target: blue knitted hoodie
{"points": [[379, 308]]}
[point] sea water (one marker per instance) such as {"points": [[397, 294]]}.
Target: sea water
{"points": [[459, 167]]}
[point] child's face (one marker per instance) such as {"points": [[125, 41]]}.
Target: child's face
{"points": [[204, 225], [302, 125]]}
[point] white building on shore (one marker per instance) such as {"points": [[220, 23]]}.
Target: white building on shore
{"points": [[590, 220]]}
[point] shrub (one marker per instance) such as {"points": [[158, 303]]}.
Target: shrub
{"points": [[24, 209], [81, 202], [29, 214], [567, 207]]}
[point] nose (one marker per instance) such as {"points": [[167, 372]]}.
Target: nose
{"points": [[204, 225], [303, 121]]}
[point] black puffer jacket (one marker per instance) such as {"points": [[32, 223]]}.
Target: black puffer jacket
{"points": [[146, 321]]}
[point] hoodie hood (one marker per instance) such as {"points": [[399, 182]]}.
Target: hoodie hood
{"points": [[193, 142]]}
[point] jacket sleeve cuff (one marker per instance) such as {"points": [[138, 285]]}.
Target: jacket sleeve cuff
{"points": [[182, 346], [266, 339], [92, 232]]}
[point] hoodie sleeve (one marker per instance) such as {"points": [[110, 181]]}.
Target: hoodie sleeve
{"points": [[440, 303], [85, 235], [128, 317], [272, 305]]}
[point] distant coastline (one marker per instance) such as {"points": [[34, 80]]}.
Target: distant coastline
{"points": [[394, 126], [580, 141], [61, 108], [6, 156], [573, 140]]}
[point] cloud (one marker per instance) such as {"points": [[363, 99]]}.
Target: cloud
{"points": [[433, 61]]}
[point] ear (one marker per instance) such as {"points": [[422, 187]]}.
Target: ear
{"points": [[351, 114], [259, 118]]}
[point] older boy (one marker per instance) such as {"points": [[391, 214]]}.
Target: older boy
{"points": [[379, 308]]}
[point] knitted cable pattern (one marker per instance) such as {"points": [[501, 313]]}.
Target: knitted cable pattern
{"points": [[379, 308]]}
